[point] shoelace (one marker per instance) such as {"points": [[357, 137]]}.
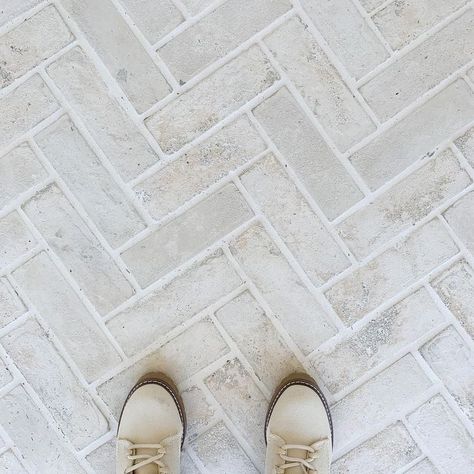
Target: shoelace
{"points": [[145, 459], [304, 464]]}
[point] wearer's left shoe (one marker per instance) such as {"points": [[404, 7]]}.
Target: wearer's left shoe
{"points": [[151, 428]]}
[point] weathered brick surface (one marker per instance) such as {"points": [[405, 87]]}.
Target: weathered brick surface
{"points": [[231, 191]]}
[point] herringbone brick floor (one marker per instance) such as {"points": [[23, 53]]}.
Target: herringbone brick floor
{"points": [[231, 190]]}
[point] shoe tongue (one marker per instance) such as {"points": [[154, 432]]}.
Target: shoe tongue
{"points": [[296, 453]]}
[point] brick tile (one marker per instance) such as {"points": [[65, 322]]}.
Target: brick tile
{"points": [[170, 359], [294, 306], [379, 340], [52, 379], [187, 235], [153, 19], [386, 395], [404, 204], [91, 183], [220, 94], [196, 6], [403, 21], [113, 130], [388, 451], [199, 414], [300, 228], [466, 145], [9, 464], [19, 171], [347, 34], [26, 46], [218, 33], [26, 106], [371, 5], [258, 340], [13, 8], [41, 447], [101, 459], [15, 239], [308, 154], [217, 449], [449, 444], [10, 305], [401, 145], [456, 288], [63, 311], [80, 251], [201, 167], [423, 467], [453, 362], [319, 83], [391, 271], [5, 376], [135, 71], [460, 217], [187, 465]]}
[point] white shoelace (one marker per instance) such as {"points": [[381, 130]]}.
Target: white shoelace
{"points": [[304, 464], [145, 459]]}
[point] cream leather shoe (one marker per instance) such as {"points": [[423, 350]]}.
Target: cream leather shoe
{"points": [[298, 429], [151, 428]]}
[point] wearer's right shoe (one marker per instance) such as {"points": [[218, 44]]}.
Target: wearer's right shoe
{"points": [[298, 429]]}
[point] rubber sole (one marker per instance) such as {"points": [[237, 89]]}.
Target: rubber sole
{"points": [[158, 378], [298, 379]]}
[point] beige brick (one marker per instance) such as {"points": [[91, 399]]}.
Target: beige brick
{"points": [[187, 235], [456, 288], [380, 399], [308, 154], [90, 182], [401, 145], [422, 68], [220, 94], [347, 34], [10, 464], [19, 171], [110, 36], [188, 294], [63, 311], [299, 227], [10, 305], [258, 340], [13, 8], [107, 122], [58, 388], [404, 204], [15, 239], [201, 167], [388, 451], [466, 145], [199, 414], [91, 266], [294, 306], [423, 467], [403, 21], [319, 83], [170, 359], [460, 217], [218, 33], [26, 106], [381, 339], [33, 41], [41, 448], [453, 362], [447, 441]]}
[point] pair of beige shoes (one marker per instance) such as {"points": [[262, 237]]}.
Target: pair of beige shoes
{"points": [[298, 428]]}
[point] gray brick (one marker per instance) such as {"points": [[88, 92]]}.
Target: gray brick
{"points": [[201, 167], [68, 236], [34, 40], [401, 145], [370, 5], [404, 204], [319, 83], [391, 271], [422, 68], [300, 228], [381, 339], [466, 145], [13, 8], [218, 33], [187, 235], [196, 6], [220, 94], [188, 294], [57, 387], [10, 464], [100, 458], [91, 183], [423, 467], [26, 106], [107, 122], [10, 305], [63, 311], [308, 154], [460, 217], [199, 414], [447, 441], [5, 376], [294, 306], [15, 239]]}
